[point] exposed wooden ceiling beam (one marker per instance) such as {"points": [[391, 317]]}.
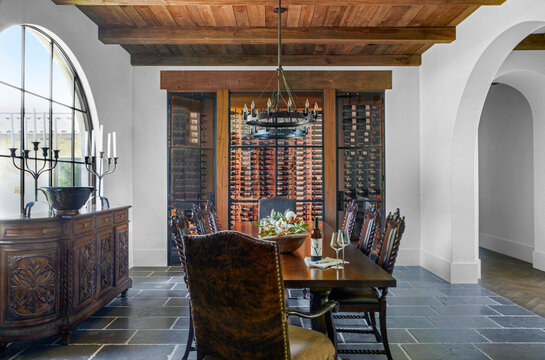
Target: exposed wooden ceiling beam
{"points": [[532, 42], [271, 60], [275, 2], [254, 36]]}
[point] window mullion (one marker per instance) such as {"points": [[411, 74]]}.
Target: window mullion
{"points": [[51, 48]]}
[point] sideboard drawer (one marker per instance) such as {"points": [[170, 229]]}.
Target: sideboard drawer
{"points": [[105, 220], [30, 230], [83, 226], [121, 216]]}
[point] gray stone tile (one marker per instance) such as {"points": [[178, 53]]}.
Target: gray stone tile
{"points": [[502, 300], [395, 336], [139, 301], [179, 286], [135, 352], [424, 310], [173, 337], [520, 321], [177, 302], [179, 352], [447, 336], [162, 293], [407, 322], [150, 268], [514, 335], [95, 323], [155, 285], [416, 292], [101, 336], [143, 323], [397, 353], [139, 279], [462, 322], [467, 300], [139, 273], [115, 311], [511, 310], [514, 351], [465, 310], [58, 352], [433, 285], [411, 300], [403, 285], [165, 311], [443, 352], [181, 323], [475, 291]]}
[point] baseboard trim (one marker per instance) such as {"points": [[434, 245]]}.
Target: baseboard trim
{"points": [[506, 247], [408, 257], [538, 260], [435, 264], [149, 257], [465, 273]]}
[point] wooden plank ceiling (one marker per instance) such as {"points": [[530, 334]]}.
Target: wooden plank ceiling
{"points": [[243, 32]]}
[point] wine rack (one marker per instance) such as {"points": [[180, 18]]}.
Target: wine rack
{"points": [[360, 150], [191, 149], [265, 168]]}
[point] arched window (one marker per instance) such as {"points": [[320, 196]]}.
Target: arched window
{"points": [[41, 99]]}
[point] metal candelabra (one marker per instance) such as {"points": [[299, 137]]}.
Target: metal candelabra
{"points": [[100, 166], [35, 171]]}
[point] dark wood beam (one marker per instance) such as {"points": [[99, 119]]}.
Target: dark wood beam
{"points": [[532, 42], [261, 80], [275, 2], [271, 60], [260, 35]]}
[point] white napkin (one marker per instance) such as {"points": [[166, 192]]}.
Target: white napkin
{"points": [[324, 263]]}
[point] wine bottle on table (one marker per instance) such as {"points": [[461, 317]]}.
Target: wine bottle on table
{"points": [[316, 242]]}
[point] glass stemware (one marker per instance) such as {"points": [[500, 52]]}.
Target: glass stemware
{"points": [[344, 241], [337, 247]]}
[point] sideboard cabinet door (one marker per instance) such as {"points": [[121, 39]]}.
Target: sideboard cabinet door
{"points": [[84, 270], [122, 253], [30, 284], [105, 253]]}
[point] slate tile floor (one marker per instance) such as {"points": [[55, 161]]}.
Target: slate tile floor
{"points": [[428, 319]]}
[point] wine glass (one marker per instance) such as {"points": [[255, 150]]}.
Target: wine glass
{"points": [[344, 241], [337, 247]]}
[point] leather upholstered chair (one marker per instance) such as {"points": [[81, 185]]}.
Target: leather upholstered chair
{"points": [[370, 228], [179, 226], [370, 300], [238, 308], [350, 214], [277, 203], [205, 218]]}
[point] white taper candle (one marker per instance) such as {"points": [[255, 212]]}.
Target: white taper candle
{"points": [[93, 143], [115, 144], [86, 142], [12, 132], [109, 144]]}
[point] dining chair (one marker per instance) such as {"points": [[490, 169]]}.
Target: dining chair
{"points": [[371, 300], [276, 203], [179, 226], [238, 308], [371, 226], [205, 218], [350, 214]]}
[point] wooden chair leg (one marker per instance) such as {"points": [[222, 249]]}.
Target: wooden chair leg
{"points": [[383, 331], [372, 316]]}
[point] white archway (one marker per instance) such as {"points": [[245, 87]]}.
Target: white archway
{"points": [[464, 165]]}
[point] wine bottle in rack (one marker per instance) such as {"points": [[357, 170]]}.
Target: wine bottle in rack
{"points": [[316, 242]]}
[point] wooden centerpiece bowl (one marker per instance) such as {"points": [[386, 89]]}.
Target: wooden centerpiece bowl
{"points": [[67, 200], [289, 242]]}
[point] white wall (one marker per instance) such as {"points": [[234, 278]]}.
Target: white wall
{"points": [[506, 192], [455, 79], [150, 160], [107, 71]]}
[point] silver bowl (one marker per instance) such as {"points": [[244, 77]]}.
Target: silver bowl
{"points": [[67, 200]]}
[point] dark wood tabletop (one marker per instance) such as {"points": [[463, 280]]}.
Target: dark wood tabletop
{"points": [[359, 272]]}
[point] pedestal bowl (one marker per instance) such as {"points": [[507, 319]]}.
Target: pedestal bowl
{"points": [[67, 200], [288, 243]]}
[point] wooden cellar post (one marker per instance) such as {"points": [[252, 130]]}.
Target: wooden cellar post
{"points": [[330, 163], [222, 157]]}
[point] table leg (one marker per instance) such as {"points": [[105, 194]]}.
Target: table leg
{"points": [[324, 324]]}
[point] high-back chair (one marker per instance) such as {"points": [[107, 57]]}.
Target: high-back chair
{"points": [[350, 214], [205, 218], [276, 203], [179, 226], [370, 300], [238, 308], [370, 230]]}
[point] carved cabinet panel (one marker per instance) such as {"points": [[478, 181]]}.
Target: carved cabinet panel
{"points": [[32, 280], [105, 253], [122, 252], [84, 271]]}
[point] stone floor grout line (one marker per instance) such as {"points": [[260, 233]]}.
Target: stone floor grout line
{"points": [[96, 352], [411, 335], [110, 323], [171, 355], [478, 348], [404, 352], [130, 338]]}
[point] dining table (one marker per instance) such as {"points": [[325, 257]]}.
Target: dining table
{"points": [[358, 272]]}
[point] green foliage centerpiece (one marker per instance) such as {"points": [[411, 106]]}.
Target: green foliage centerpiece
{"points": [[278, 224]]}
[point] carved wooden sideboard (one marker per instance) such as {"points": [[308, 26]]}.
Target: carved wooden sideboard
{"points": [[58, 271]]}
